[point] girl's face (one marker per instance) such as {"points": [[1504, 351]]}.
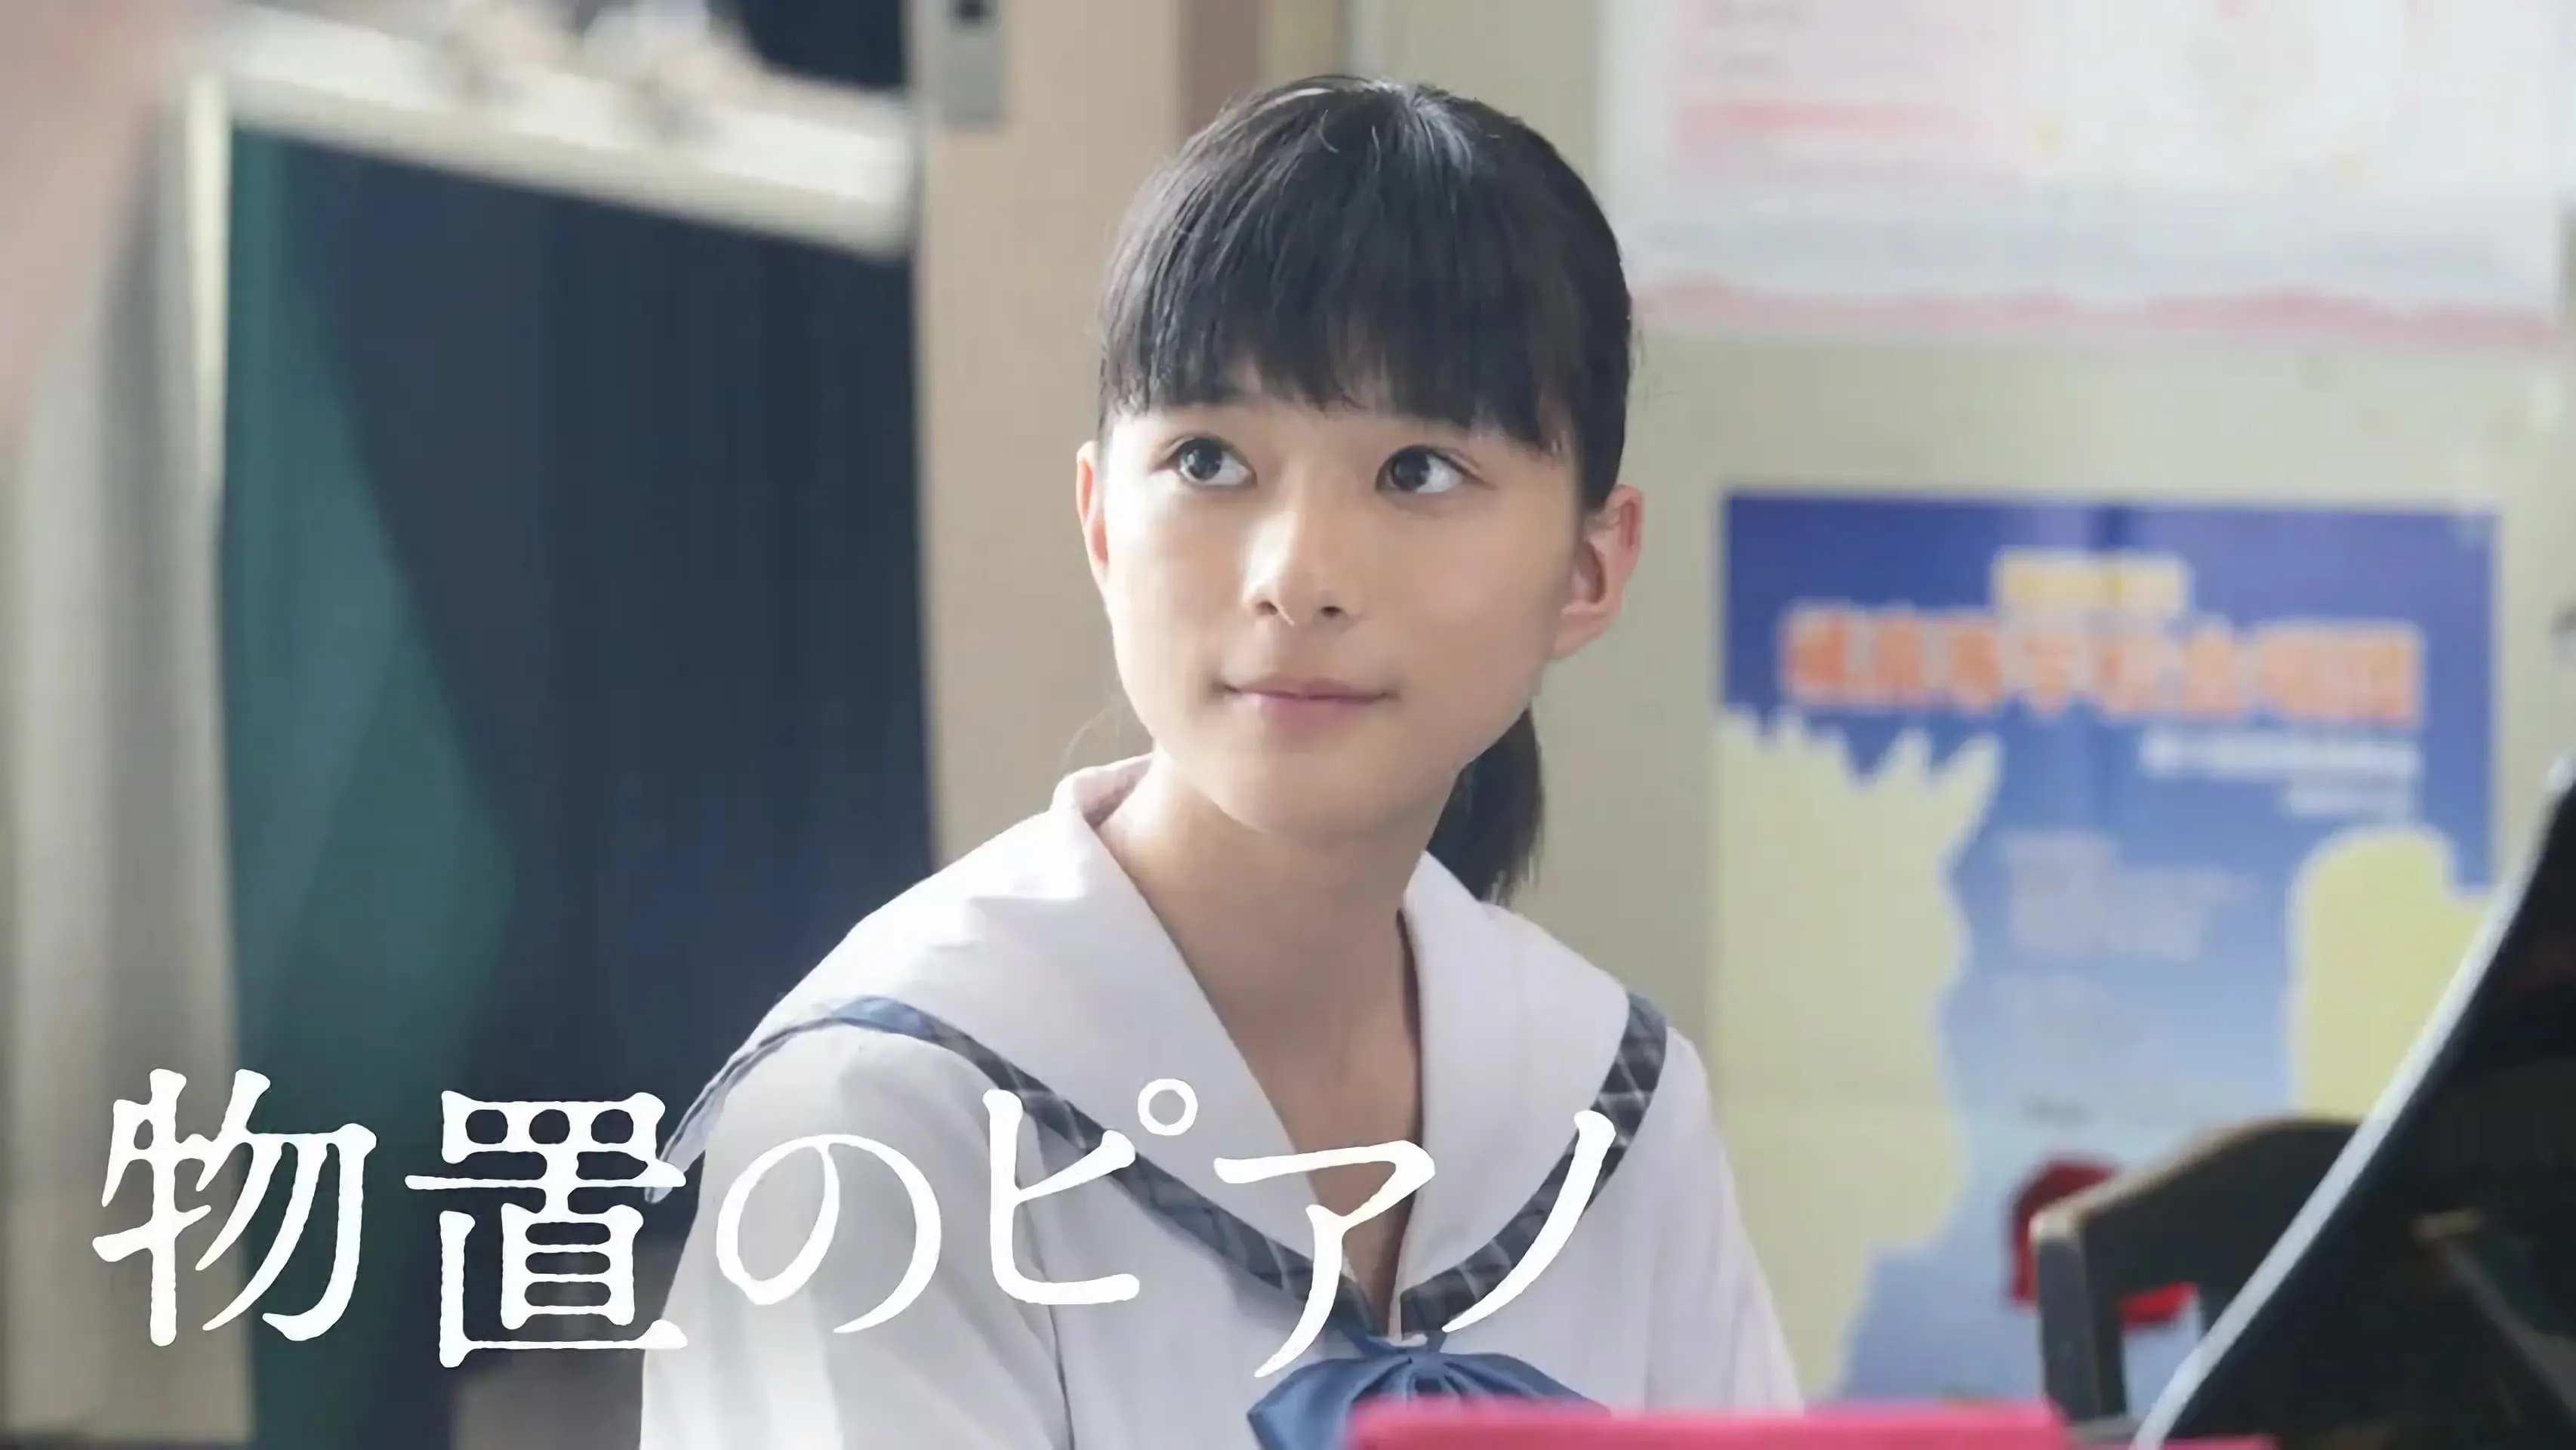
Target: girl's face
{"points": [[1322, 616]]}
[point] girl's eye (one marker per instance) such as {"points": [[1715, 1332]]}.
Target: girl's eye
{"points": [[1419, 470], [1209, 464]]}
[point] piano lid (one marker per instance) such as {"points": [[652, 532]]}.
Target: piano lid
{"points": [[2425, 1296]]}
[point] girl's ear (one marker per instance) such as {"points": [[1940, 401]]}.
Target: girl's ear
{"points": [[1605, 555], [1088, 507]]}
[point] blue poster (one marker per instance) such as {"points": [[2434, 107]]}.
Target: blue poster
{"points": [[2048, 836]]}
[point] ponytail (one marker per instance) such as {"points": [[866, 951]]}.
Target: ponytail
{"points": [[1488, 832]]}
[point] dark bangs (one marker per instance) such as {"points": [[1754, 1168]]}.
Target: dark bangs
{"points": [[1351, 243]]}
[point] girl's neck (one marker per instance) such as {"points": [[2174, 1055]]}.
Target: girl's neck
{"points": [[1298, 944]]}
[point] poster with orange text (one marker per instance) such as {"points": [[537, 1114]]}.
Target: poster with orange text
{"points": [[2048, 835]]}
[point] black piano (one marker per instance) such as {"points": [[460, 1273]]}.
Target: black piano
{"points": [[2404, 1283]]}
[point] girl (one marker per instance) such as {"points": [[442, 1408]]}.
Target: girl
{"points": [[1363, 389]]}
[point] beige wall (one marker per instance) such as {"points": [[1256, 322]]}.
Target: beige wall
{"points": [[1627, 727], [1017, 227]]}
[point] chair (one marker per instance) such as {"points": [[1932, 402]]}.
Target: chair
{"points": [[2205, 1217], [2408, 1283]]}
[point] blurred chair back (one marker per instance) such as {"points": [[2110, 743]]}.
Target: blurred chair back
{"points": [[2204, 1218], [2420, 1292]]}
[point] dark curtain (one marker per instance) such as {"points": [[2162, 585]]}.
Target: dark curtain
{"points": [[629, 729]]}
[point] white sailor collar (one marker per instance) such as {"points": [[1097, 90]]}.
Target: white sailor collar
{"points": [[1040, 950]]}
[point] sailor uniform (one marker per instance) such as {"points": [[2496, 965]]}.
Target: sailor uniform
{"points": [[1034, 968]]}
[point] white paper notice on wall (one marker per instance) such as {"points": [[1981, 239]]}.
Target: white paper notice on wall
{"points": [[2306, 168]]}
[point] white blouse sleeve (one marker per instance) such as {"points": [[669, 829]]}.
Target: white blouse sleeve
{"points": [[1717, 1342], [964, 1366]]}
